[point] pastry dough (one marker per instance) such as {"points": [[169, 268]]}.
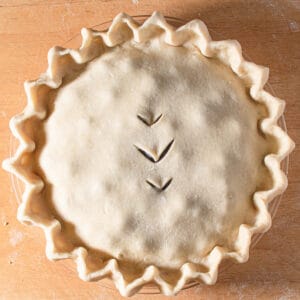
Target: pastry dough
{"points": [[149, 154]]}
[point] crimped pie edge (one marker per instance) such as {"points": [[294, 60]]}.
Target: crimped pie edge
{"points": [[229, 52]]}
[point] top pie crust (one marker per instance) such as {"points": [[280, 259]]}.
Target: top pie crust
{"points": [[149, 154]]}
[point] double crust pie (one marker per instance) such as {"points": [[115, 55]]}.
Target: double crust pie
{"points": [[149, 154]]}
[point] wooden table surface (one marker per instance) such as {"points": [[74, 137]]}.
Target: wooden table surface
{"points": [[269, 31]]}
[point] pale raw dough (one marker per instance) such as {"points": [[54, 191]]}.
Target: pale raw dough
{"points": [[98, 177], [144, 162]]}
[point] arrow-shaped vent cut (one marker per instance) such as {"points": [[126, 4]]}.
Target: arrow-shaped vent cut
{"points": [[149, 120], [159, 187], [152, 155]]}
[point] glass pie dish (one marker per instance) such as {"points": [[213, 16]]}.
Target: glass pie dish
{"points": [[272, 207]]}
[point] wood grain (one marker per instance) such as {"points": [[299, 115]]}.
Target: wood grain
{"points": [[269, 31]]}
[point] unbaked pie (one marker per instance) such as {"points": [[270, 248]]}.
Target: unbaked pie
{"points": [[149, 154]]}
